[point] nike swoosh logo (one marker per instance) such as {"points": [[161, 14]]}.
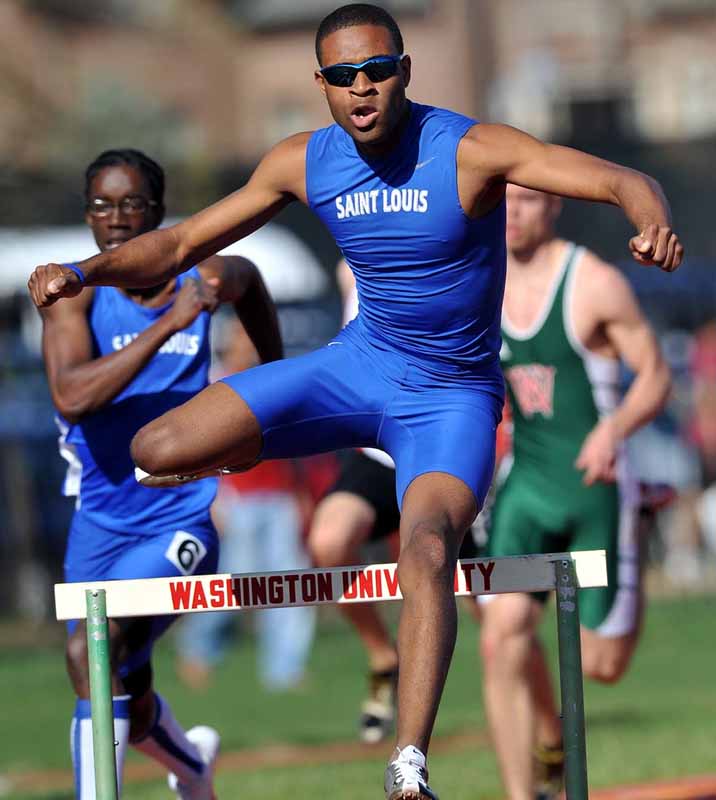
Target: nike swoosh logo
{"points": [[424, 163], [330, 344]]}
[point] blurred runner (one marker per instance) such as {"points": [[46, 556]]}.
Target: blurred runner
{"points": [[115, 359], [569, 320]]}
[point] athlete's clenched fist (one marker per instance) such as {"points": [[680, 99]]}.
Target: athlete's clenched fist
{"points": [[658, 245], [49, 282]]}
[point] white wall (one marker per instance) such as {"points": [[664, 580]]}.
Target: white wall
{"points": [[288, 266]]}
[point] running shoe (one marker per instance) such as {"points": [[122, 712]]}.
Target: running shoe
{"points": [[377, 717], [548, 772], [163, 481], [207, 741], [406, 777]]}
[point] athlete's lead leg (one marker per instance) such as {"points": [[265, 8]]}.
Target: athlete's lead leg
{"points": [[214, 429]]}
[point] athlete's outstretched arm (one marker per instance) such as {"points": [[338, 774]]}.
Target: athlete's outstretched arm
{"points": [[240, 283], [631, 337], [501, 153], [155, 257]]}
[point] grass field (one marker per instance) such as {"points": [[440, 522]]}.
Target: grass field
{"points": [[658, 723]]}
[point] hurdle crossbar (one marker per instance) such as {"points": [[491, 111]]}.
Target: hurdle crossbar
{"points": [[361, 584], [563, 572]]}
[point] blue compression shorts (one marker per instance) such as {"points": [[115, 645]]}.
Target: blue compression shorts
{"points": [[97, 554], [359, 393]]}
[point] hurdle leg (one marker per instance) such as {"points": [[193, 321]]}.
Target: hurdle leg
{"points": [[105, 767], [570, 679]]}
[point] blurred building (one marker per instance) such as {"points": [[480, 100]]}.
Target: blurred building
{"points": [[218, 81], [221, 81], [643, 67]]}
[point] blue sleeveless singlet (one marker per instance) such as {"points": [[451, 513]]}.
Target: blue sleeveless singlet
{"points": [[101, 472], [430, 279]]}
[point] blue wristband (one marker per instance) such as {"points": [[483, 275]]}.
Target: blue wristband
{"points": [[78, 272]]}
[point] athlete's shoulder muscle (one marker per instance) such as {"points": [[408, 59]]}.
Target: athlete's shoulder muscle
{"points": [[481, 180], [72, 309], [492, 148], [66, 334], [605, 287], [283, 168], [604, 302]]}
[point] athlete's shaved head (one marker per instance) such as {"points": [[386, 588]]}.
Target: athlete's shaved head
{"points": [[353, 14], [128, 157]]}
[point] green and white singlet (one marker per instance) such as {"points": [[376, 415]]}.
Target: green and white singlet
{"points": [[558, 390]]}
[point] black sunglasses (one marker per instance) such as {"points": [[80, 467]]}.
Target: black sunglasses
{"points": [[376, 69]]}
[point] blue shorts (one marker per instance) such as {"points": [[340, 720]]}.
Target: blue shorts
{"points": [[359, 393], [97, 554]]}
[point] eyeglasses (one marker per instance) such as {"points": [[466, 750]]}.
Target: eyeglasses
{"points": [[376, 69], [132, 205]]}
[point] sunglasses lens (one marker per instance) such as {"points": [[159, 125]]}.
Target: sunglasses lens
{"points": [[376, 71], [380, 71], [340, 75]]}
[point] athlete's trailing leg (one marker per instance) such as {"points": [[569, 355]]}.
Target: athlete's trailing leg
{"points": [[437, 511]]}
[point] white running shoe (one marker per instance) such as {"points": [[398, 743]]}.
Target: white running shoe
{"points": [[207, 741], [406, 777], [162, 481]]}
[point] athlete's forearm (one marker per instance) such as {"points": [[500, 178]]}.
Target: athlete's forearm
{"points": [[86, 388], [144, 261], [519, 158], [640, 197], [257, 313], [645, 398]]}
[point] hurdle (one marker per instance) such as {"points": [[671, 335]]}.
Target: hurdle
{"points": [[98, 601]]}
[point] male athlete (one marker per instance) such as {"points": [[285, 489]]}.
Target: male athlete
{"points": [[568, 322], [414, 196], [114, 358]]}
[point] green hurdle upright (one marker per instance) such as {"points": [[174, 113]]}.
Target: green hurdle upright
{"points": [[105, 766], [570, 681]]}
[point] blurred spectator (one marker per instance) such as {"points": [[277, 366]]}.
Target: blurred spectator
{"points": [[702, 429], [681, 449], [703, 423], [261, 515]]}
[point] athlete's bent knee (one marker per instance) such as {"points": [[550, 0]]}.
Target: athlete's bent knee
{"points": [[503, 634], [325, 552], [153, 447]]}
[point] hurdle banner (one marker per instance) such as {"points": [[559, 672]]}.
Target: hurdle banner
{"points": [[360, 584], [563, 572]]}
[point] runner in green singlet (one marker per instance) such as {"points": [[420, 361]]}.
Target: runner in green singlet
{"points": [[569, 320]]}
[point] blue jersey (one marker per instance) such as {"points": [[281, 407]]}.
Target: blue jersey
{"points": [[101, 471], [430, 279]]}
